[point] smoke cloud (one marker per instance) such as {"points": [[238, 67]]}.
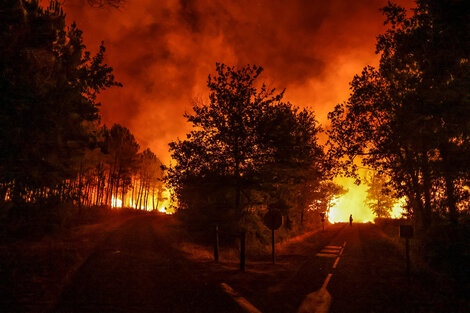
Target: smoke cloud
{"points": [[163, 51]]}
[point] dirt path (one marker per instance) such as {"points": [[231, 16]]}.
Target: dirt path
{"points": [[135, 270]]}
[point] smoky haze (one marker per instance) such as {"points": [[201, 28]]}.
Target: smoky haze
{"points": [[163, 51]]}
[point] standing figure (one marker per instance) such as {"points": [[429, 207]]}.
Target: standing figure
{"points": [[350, 219]]}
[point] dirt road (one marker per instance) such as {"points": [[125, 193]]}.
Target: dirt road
{"points": [[136, 270]]}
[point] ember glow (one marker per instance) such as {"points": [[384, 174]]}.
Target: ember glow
{"points": [[353, 203], [153, 204], [399, 208]]}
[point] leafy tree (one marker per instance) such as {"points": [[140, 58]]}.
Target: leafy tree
{"points": [[379, 199], [48, 87], [222, 146], [409, 118], [149, 180], [122, 149], [291, 163], [247, 148], [327, 193], [432, 48]]}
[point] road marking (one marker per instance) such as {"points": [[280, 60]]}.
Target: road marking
{"points": [[320, 300], [327, 280], [336, 262], [333, 247], [247, 306], [326, 255], [330, 250]]}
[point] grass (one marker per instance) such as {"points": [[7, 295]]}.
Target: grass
{"points": [[37, 260]]}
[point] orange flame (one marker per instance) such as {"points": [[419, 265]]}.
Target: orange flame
{"points": [[353, 203], [161, 206]]}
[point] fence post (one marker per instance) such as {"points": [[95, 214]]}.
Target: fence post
{"points": [[407, 248], [242, 251], [216, 244], [273, 245]]}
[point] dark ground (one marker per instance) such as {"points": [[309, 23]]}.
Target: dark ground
{"points": [[144, 264]]}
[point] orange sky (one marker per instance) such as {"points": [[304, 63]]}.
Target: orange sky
{"points": [[162, 52]]}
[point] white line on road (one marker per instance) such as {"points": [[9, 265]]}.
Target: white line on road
{"points": [[327, 280], [330, 251], [247, 306], [333, 247], [326, 255], [320, 300], [342, 249], [336, 262]]}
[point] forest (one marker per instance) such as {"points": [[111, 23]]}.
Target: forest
{"points": [[249, 151]]}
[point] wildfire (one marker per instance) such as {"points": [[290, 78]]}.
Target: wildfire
{"points": [[398, 209], [116, 202], [353, 203], [162, 206]]}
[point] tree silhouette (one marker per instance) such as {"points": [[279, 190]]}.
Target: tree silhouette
{"points": [[247, 148], [48, 87], [122, 149], [149, 180], [408, 118], [379, 198], [325, 196]]}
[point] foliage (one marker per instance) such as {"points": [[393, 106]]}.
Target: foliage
{"points": [[409, 118], [121, 148], [379, 198], [48, 87], [118, 175], [56, 159], [326, 195], [247, 150]]}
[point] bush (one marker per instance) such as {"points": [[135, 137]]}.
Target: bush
{"points": [[34, 220], [446, 248]]}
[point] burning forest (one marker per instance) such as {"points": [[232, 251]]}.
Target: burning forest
{"points": [[219, 132]]}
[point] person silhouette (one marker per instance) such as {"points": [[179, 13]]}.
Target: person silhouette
{"points": [[350, 219]]}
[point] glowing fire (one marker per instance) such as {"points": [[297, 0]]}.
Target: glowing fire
{"points": [[116, 203], [350, 203], [353, 203], [398, 209], [162, 206]]}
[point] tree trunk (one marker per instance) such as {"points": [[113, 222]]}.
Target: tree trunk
{"points": [[451, 202], [449, 182], [427, 185], [153, 198]]}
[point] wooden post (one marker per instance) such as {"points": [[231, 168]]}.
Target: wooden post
{"points": [[406, 231], [274, 254], [407, 248], [216, 244], [242, 251]]}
